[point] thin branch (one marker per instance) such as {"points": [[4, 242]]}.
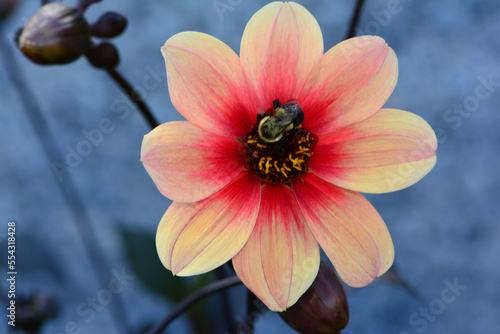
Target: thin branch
{"points": [[194, 298], [227, 314], [355, 19], [67, 188], [251, 309], [136, 98]]}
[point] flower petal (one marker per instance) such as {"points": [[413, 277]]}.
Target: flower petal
{"points": [[194, 238], [348, 228], [350, 83], [188, 164], [206, 84], [281, 258], [280, 45], [389, 151]]}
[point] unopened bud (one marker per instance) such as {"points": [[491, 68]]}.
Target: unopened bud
{"points": [[7, 7], [109, 25], [34, 310], [104, 55], [56, 34], [322, 308]]}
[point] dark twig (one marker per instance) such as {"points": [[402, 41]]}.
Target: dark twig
{"points": [[136, 98], [67, 188], [251, 309], [392, 275], [355, 19], [227, 314], [194, 298]]}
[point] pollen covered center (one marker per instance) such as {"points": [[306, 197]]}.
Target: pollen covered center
{"points": [[279, 161]]}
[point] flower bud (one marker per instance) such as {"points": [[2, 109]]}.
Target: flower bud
{"points": [[7, 7], [104, 55], [56, 34], [322, 308], [34, 310], [109, 25]]}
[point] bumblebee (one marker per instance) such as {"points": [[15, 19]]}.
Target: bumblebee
{"points": [[285, 117]]}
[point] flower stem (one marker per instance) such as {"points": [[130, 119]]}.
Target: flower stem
{"points": [[136, 98], [355, 19], [251, 309], [193, 299], [227, 314]]}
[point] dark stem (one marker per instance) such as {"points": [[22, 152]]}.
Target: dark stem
{"points": [[227, 316], [355, 19], [251, 309], [134, 97], [194, 298], [67, 188]]}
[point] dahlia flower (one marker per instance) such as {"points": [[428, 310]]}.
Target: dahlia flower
{"points": [[277, 145]]}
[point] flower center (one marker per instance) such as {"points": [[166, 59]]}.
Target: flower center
{"points": [[278, 148]]}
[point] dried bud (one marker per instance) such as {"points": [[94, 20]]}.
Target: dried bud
{"points": [[56, 34], [32, 311], [104, 55], [322, 309], [109, 25], [7, 7]]}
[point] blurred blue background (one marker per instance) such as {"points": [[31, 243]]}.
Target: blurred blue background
{"points": [[446, 228]]}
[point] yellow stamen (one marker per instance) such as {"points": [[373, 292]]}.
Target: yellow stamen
{"points": [[261, 146], [255, 154], [261, 162], [302, 150], [268, 164], [296, 162], [285, 167], [284, 173], [251, 141], [276, 166]]}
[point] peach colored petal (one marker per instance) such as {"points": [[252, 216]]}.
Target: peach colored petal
{"points": [[280, 45], [206, 84], [281, 258], [389, 151], [194, 238], [188, 164], [347, 227], [350, 83]]}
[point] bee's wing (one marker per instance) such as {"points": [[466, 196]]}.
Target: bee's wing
{"points": [[289, 113], [283, 120]]}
